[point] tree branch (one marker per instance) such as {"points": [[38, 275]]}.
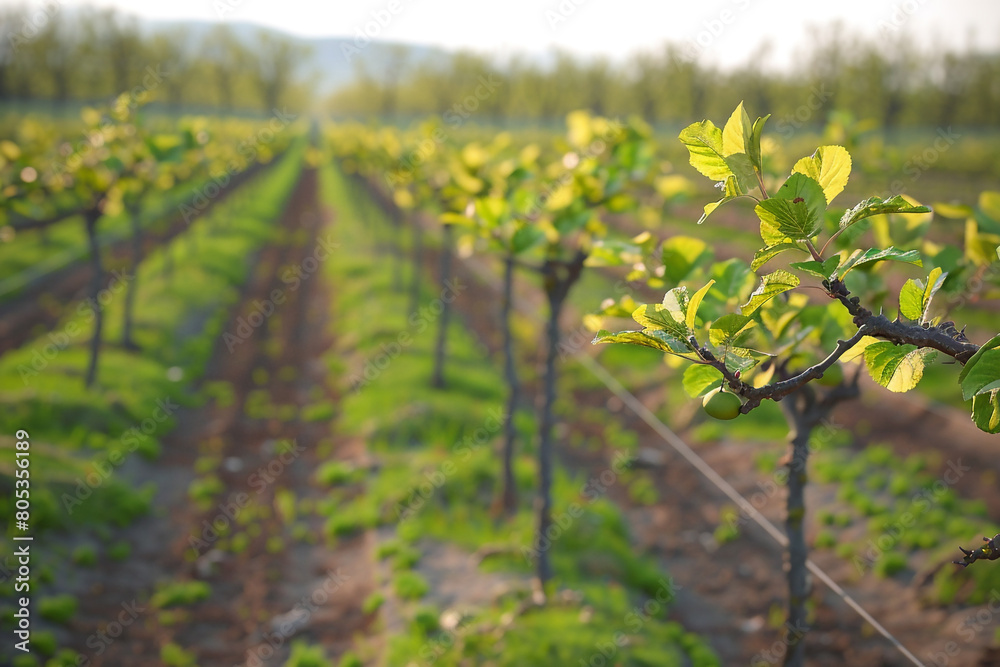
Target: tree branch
{"points": [[942, 337]]}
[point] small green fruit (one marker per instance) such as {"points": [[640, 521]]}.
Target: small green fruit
{"points": [[722, 404], [832, 377]]}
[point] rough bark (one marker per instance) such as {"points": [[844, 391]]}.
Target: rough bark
{"points": [[90, 219], [415, 268], [559, 277], [132, 284], [799, 586], [508, 492]]}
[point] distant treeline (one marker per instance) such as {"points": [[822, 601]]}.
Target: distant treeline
{"points": [[888, 80], [49, 52]]}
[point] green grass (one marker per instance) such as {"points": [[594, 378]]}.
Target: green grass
{"points": [[410, 586], [180, 593], [304, 655], [58, 609]]}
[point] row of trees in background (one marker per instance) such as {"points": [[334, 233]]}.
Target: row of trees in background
{"points": [[87, 55], [545, 207], [888, 80]]}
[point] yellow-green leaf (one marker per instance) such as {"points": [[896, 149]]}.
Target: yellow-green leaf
{"points": [[986, 411], [692, 307], [704, 143], [736, 135], [898, 368], [989, 203], [771, 286], [830, 166]]}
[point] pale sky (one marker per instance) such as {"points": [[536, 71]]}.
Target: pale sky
{"points": [[720, 30]]}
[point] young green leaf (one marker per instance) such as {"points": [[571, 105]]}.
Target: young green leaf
{"points": [[731, 191], [743, 174], [730, 329], [655, 317], [736, 136], [989, 204], [681, 254], [795, 211], [770, 286], [915, 296], [658, 340], [877, 206], [764, 255], [676, 303], [525, 237], [911, 300], [692, 307], [982, 369], [704, 143], [753, 148], [700, 379], [898, 368], [861, 258], [491, 209], [830, 166], [986, 411], [819, 269], [738, 359], [449, 218]]}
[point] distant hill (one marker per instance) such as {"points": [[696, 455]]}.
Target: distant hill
{"points": [[334, 62]]}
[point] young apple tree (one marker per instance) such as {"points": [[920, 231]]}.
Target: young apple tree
{"points": [[778, 344]]}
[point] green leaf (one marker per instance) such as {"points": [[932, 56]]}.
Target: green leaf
{"points": [[952, 211], [730, 278], [989, 204], [935, 279], [704, 143], [911, 300], [819, 269], [770, 286], [655, 317], [986, 411], [710, 208], [737, 133], [796, 210], [753, 149], [681, 254], [861, 258], [830, 166], [743, 173], [692, 307], [898, 368], [449, 218], [676, 303], [878, 206], [491, 209], [700, 379], [738, 359], [764, 255], [915, 297], [525, 237], [730, 329], [982, 369], [660, 341]]}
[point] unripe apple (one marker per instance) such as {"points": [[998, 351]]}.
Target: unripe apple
{"points": [[832, 376], [722, 404]]}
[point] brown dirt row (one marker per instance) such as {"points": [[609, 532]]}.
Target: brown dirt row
{"points": [[279, 586]]}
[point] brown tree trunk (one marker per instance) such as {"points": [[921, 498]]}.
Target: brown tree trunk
{"points": [[91, 217]]}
